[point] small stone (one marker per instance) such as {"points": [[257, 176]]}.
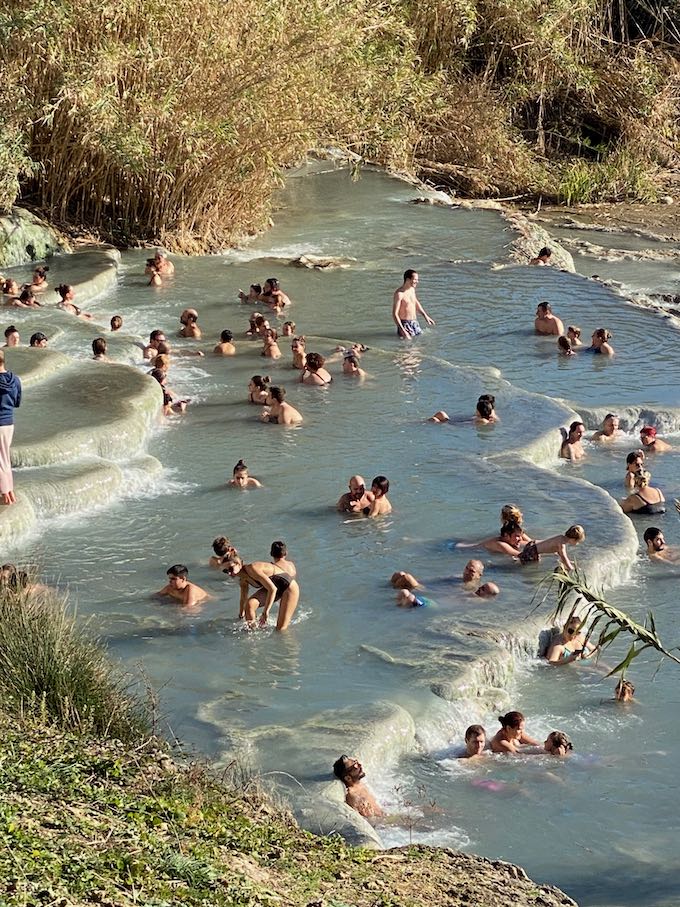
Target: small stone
{"points": [[666, 200]]}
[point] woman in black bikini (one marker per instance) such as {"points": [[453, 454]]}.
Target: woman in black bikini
{"points": [[272, 584], [645, 500]]}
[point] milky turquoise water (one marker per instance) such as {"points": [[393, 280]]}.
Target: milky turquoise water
{"points": [[602, 825]]}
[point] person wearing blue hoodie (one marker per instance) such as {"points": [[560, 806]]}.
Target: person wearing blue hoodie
{"points": [[10, 397]]}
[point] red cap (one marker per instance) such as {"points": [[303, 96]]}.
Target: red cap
{"points": [[648, 430]]}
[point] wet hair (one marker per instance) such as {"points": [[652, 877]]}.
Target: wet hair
{"points": [[158, 374], [558, 739], [576, 532], [603, 334], [635, 455], [301, 340], [574, 330], [545, 251], [563, 344], [574, 426], [42, 270], [512, 513], [178, 570], [163, 348], [116, 322], [10, 330], [610, 416], [99, 346], [226, 336], [624, 686], [156, 335], [63, 289], [339, 768], [272, 334], [278, 393], [261, 382], [351, 358], [382, 483], [273, 283], [256, 287], [511, 527], [240, 467], [162, 362], [488, 397], [232, 561], [259, 320], [511, 719], [37, 338], [474, 731], [651, 534], [315, 361], [648, 430], [278, 549], [409, 273], [26, 295], [545, 306], [484, 409], [290, 324], [223, 547]]}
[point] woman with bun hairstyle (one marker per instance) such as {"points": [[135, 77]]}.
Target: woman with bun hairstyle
{"points": [[258, 388], [241, 479], [67, 294], [511, 735]]}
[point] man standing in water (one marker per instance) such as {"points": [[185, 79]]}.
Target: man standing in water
{"points": [[406, 307], [10, 398], [357, 795]]}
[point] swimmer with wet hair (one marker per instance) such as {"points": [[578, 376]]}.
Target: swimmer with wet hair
{"points": [[403, 580], [180, 589], [258, 388], [351, 367], [610, 430], [570, 644], [657, 549], [39, 281], [223, 551], [273, 295], [288, 329], [116, 322], [564, 347], [225, 347], [558, 744], [546, 323], [155, 339], [10, 287], [600, 343], [241, 479], [486, 414], [574, 336], [68, 294], [507, 542], [278, 411], [12, 336], [651, 443], [314, 374], [511, 735], [38, 340], [380, 506], [488, 590], [99, 347], [270, 344], [298, 348], [475, 742], [160, 263], [634, 463], [543, 257], [624, 691], [571, 447], [357, 795], [279, 555], [25, 300], [253, 294], [189, 321], [556, 544], [170, 405]]}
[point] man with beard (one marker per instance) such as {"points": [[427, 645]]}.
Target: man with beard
{"points": [[351, 772]]}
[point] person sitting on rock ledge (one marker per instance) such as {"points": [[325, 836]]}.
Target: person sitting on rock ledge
{"points": [[357, 795], [543, 257]]}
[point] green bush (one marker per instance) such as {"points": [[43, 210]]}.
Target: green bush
{"points": [[51, 668]]}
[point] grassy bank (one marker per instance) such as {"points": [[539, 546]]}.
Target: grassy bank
{"points": [[170, 122], [89, 818]]}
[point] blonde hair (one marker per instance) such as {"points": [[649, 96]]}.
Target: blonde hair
{"points": [[642, 478], [511, 513], [576, 532]]}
